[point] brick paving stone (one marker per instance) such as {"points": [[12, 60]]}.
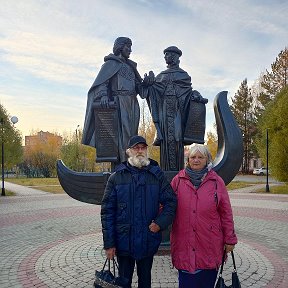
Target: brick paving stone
{"points": [[55, 241]]}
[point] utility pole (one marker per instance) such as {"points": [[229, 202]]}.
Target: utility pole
{"points": [[267, 161]]}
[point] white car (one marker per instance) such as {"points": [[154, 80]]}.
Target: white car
{"points": [[260, 171]]}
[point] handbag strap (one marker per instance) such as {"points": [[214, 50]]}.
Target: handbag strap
{"points": [[223, 260], [222, 264], [114, 265], [234, 264], [105, 264], [113, 261]]}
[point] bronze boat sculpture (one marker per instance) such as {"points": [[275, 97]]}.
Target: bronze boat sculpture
{"points": [[89, 187]]}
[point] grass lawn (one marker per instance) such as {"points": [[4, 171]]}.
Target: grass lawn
{"points": [[238, 184], [283, 189], [9, 193], [51, 185]]}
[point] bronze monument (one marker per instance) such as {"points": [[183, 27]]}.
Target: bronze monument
{"points": [[178, 112]]}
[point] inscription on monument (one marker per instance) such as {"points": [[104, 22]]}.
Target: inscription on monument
{"points": [[106, 139], [196, 128]]}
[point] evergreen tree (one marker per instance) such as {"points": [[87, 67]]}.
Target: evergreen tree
{"points": [[266, 87], [274, 119], [242, 109], [273, 82]]}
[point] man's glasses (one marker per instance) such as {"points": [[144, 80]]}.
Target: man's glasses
{"points": [[139, 147]]}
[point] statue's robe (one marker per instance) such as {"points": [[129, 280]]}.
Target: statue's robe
{"points": [[118, 80], [169, 101]]}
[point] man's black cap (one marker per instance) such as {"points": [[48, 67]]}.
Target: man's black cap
{"points": [[173, 49], [136, 140]]}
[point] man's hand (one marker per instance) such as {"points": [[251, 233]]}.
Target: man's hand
{"points": [[110, 253], [149, 79], [104, 101], [154, 227]]}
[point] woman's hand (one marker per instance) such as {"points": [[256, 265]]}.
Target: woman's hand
{"points": [[229, 248]]}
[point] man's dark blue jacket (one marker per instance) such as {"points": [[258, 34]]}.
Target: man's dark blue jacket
{"points": [[130, 203]]}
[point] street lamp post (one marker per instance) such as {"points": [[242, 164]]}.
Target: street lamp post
{"points": [[2, 150], [14, 120], [77, 132], [267, 161], [77, 147]]}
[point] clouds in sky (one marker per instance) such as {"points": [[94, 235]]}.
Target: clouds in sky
{"points": [[51, 51]]}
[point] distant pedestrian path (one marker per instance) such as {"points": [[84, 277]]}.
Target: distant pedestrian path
{"points": [[20, 190], [254, 179], [52, 240]]}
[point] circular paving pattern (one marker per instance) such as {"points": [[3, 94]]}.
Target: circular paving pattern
{"points": [[72, 263], [54, 241]]}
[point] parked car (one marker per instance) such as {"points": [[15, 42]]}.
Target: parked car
{"points": [[260, 171]]}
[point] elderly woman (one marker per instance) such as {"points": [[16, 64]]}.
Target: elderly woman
{"points": [[203, 225]]}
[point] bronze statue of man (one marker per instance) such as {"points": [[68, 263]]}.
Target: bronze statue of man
{"points": [[115, 85], [170, 98]]}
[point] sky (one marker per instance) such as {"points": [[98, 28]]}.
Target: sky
{"points": [[51, 51]]}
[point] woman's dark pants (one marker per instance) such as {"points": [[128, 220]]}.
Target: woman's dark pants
{"points": [[202, 279]]}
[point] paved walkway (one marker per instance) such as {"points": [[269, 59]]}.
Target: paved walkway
{"points": [[55, 241]]}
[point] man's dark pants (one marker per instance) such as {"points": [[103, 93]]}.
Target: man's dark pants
{"points": [[144, 266]]}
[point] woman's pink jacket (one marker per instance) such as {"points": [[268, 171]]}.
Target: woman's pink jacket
{"points": [[203, 223]]}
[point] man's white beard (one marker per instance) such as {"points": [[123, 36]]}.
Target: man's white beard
{"points": [[139, 161]]}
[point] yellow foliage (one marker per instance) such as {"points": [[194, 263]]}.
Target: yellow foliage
{"points": [[148, 131], [212, 144], [44, 142]]}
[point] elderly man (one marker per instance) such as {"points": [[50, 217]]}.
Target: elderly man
{"points": [[130, 215]]}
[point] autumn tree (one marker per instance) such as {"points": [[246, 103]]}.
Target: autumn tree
{"points": [[41, 153], [274, 121], [212, 143], [12, 140], [242, 109], [147, 130], [79, 157]]}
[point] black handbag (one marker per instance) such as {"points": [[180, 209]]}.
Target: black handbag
{"points": [[107, 278], [235, 280]]}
